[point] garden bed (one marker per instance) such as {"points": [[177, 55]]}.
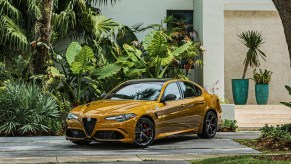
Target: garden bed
{"points": [[266, 144]]}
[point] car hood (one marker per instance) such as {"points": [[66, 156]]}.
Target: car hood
{"points": [[111, 107]]}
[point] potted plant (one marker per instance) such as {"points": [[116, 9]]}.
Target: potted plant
{"points": [[240, 87], [262, 80]]}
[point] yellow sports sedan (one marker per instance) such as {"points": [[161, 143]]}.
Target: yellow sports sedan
{"points": [[141, 111]]}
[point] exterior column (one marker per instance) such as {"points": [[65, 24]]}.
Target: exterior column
{"points": [[209, 22]]}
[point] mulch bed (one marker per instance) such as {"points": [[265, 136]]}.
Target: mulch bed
{"points": [[269, 144], [272, 144]]}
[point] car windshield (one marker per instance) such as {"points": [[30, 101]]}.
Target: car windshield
{"points": [[137, 91]]}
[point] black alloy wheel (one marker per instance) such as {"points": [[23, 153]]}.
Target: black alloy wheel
{"points": [[209, 126], [144, 133]]}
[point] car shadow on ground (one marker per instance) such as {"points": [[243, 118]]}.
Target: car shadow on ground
{"points": [[175, 139]]}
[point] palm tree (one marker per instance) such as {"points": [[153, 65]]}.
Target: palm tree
{"points": [[30, 27], [252, 40]]}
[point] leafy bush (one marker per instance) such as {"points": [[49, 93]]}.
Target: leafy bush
{"points": [[262, 77], [228, 126], [280, 133], [26, 110], [3, 73], [275, 138]]}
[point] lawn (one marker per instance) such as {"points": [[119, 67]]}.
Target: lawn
{"points": [[247, 159]]}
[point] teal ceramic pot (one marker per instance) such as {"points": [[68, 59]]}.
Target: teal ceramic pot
{"points": [[240, 91], [262, 93]]}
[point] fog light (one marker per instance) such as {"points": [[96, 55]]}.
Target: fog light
{"points": [[76, 133]]}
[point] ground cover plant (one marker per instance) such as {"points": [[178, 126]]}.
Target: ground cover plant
{"points": [[228, 126], [272, 139], [26, 110]]}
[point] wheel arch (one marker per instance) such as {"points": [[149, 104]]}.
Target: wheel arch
{"points": [[149, 117], [206, 111], [213, 110]]}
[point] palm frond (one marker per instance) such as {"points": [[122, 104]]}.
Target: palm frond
{"points": [[65, 21], [6, 8], [253, 40], [101, 2], [11, 34], [103, 25]]}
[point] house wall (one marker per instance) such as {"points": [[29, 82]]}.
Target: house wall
{"points": [[275, 47], [130, 12]]}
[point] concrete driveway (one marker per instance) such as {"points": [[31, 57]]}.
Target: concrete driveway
{"points": [[51, 149]]}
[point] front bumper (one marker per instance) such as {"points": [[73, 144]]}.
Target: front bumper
{"points": [[104, 130]]}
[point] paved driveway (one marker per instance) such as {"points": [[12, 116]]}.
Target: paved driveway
{"points": [[57, 149]]}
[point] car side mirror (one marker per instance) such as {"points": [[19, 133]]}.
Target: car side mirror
{"points": [[103, 95], [169, 97]]}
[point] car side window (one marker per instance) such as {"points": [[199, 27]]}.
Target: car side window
{"points": [[173, 88], [198, 91], [188, 89]]}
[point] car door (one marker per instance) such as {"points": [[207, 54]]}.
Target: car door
{"points": [[168, 114], [194, 105]]}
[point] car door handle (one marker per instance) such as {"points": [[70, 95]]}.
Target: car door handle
{"points": [[200, 103]]}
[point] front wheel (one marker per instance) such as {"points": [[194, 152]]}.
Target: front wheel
{"points": [[82, 142], [209, 125], [144, 133]]}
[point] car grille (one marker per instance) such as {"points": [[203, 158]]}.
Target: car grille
{"points": [[108, 135], [89, 125]]}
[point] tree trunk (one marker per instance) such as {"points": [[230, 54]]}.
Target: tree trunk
{"points": [[284, 9], [43, 37], [245, 70]]}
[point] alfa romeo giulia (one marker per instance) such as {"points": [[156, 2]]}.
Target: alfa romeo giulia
{"points": [[141, 111]]}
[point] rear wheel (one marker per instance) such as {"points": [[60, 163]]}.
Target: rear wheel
{"points": [[144, 133], [209, 126], [82, 142]]}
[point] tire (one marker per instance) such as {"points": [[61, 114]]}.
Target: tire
{"points": [[209, 125], [82, 142], [144, 133]]}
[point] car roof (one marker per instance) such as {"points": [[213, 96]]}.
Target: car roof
{"points": [[149, 80]]}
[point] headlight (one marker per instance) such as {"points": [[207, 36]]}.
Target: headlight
{"points": [[72, 116], [121, 118]]}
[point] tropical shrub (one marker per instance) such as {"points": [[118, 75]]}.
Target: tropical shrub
{"points": [[25, 27], [71, 79], [288, 88], [262, 77], [276, 138], [26, 110], [280, 133], [152, 59], [228, 126]]}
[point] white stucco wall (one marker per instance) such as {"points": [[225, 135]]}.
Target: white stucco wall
{"points": [[210, 26], [130, 12]]}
